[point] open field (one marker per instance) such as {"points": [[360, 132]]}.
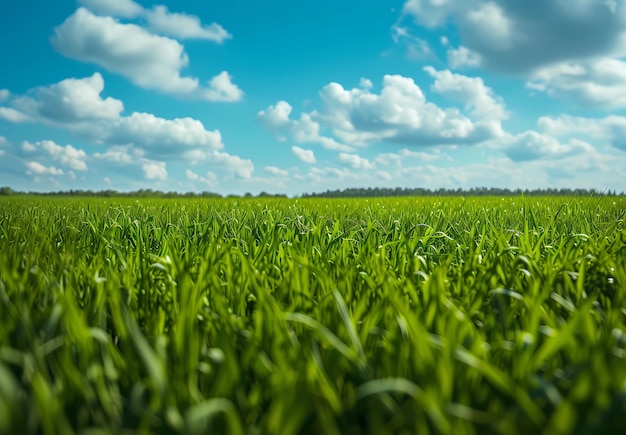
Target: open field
{"points": [[409, 315]]}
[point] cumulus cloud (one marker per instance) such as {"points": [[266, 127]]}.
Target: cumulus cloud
{"points": [[417, 48], [531, 145], [13, 115], [600, 83], [519, 37], [148, 60], [221, 88], [305, 130], [154, 170], [140, 139], [71, 100], [164, 135], [210, 179], [122, 158], [160, 19], [183, 26], [480, 100], [76, 104], [610, 130], [366, 83], [276, 117], [67, 155], [121, 154], [116, 8], [306, 156], [39, 169], [28, 147], [355, 161], [129, 155], [400, 113], [404, 156], [241, 168], [462, 57], [276, 171]]}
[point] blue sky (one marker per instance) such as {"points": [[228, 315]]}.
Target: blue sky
{"points": [[292, 97]]}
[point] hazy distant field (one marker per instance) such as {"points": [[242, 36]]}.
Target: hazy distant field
{"points": [[313, 316]]}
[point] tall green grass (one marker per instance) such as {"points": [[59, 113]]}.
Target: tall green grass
{"points": [[451, 315]]}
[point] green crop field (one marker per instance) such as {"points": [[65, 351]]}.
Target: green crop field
{"points": [[414, 315]]}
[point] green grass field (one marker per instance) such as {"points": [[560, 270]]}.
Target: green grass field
{"points": [[416, 315]]}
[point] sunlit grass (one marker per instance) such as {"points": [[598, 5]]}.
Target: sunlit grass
{"points": [[283, 316]]}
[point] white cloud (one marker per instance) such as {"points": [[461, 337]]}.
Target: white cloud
{"points": [[13, 115], [480, 100], [242, 168], [4, 95], [385, 175], [122, 155], [116, 8], [148, 60], [28, 147], [531, 145], [183, 26], [139, 139], [463, 57], [3, 141], [276, 171], [66, 155], [490, 26], [400, 113], [221, 88], [159, 134], [71, 100], [600, 83], [276, 117], [610, 130], [431, 13], [366, 83], [519, 37], [355, 161], [76, 104], [210, 179], [160, 19], [39, 169], [154, 170], [305, 130], [404, 156], [306, 156], [417, 48]]}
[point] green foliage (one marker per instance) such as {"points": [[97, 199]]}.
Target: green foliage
{"points": [[267, 315]]}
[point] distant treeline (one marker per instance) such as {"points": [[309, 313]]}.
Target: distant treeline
{"points": [[479, 191], [142, 193], [339, 193]]}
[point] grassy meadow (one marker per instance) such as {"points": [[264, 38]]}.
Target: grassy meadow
{"points": [[413, 315]]}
